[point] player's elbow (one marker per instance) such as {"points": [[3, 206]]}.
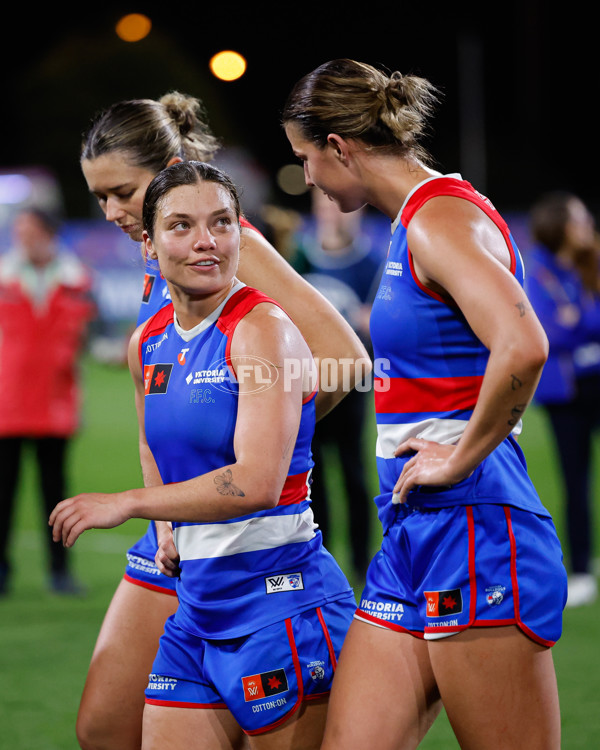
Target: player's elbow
{"points": [[266, 496], [528, 354], [263, 491], [537, 349], [269, 500]]}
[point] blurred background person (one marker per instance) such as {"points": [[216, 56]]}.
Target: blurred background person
{"points": [[563, 286], [336, 253], [45, 309]]}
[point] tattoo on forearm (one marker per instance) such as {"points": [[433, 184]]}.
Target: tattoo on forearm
{"points": [[516, 382], [522, 307], [516, 413], [225, 485]]}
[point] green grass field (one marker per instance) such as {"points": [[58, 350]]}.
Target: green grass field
{"points": [[46, 641]]}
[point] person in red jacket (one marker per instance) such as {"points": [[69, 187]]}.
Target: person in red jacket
{"points": [[45, 308]]}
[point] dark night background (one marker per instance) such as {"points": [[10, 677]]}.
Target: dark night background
{"points": [[519, 81]]}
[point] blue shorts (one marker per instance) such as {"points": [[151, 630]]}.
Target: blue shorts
{"points": [[439, 572], [262, 678], [141, 568]]}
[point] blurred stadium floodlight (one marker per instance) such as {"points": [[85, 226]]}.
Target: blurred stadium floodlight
{"points": [[290, 179], [133, 27], [228, 65]]}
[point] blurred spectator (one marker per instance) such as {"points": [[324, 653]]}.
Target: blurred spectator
{"points": [[335, 254], [563, 286], [45, 308]]}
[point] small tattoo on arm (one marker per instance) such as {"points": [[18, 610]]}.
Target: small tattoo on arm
{"points": [[516, 413], [225, 485], [516, 382], [522, 308]]}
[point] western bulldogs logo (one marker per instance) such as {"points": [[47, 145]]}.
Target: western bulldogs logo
{"points": [[285, 582], [494, 595]]}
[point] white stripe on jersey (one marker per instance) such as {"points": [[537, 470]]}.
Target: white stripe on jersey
{"points": [[263, 532], [444, 431]]}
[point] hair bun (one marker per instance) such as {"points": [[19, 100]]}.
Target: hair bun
{"points": [[182, 109]]}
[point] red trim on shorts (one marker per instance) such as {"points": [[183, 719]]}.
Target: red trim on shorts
{"points": [[372, 620], [513, 561], [327, 638], [534, 637], [495, 623], [515, 584], [299, 681], [472, 574], [453, 629], [473, 622], [151, 586], [183, 704]]}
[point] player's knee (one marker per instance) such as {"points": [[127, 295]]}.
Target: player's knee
{"points": [[89, 733], [94, 733]]}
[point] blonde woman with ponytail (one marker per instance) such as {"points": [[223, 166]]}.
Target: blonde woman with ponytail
{"points": [[464, 599]]}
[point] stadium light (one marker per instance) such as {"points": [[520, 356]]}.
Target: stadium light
{"points": [[228, 65], [133, 27], [290, 179]]}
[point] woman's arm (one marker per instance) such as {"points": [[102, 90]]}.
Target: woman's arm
{"points": [[265, 434], [329, 336], [461, 254]]}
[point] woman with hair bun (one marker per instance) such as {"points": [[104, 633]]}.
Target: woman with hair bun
{"points": [[465, 597], [125, 147]]}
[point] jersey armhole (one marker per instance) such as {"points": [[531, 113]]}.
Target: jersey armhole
{"points": [[450, 187]]}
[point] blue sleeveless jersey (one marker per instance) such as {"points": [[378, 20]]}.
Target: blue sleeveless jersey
{"points": [[429, 366], [245, 573]]}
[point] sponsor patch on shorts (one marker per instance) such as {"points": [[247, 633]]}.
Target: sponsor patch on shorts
{"points": [[285, 582], [443, 603], [265, 684]]}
